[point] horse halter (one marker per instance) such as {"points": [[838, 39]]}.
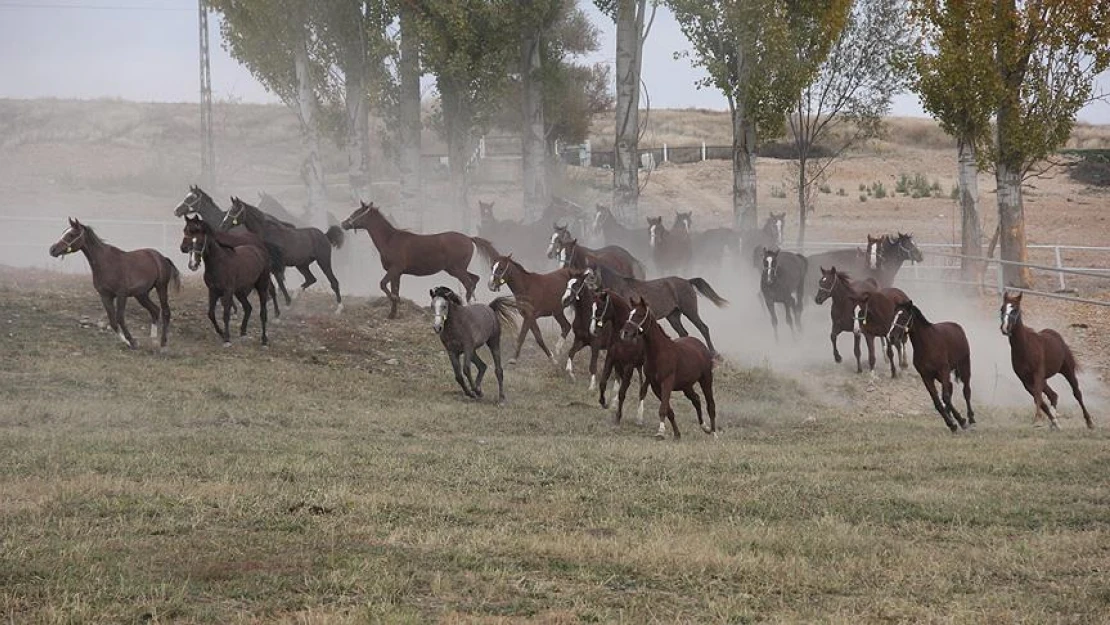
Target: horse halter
{"points": [[904, 327], [1009, 315], [828, 289], [440, 308], [639, 326], [862, 318], [234, 214], [197, 255], [72, 242], [498, 277]]}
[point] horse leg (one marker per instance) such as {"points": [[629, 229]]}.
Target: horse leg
{"points": [[1036, 389], [666, 413], [279, 276], [856, 349], [273, 296], [152, 308], [539, 339], [245, 304], [309, 279], [494, 345], [928, 381], [774, 318], [324, 262], [696, 401], [706, 384], [121, 306], [213, 296], [384, 286], [870, 351], [946, 396], [675, 319], [574, 349], [225, 299], [836, 352], [455, 365], [564, 329], [902, 354], [263, 289], [525, 325], [164, 304], [478, 362], [890, 357], [788, 310], [1069, 374], [594, 354], [643, 393], [471, 282], [964, 374], [704, 329]]}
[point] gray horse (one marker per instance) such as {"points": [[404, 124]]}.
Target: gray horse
{"points": [[464, 328]]}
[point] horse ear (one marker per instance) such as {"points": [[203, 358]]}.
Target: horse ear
{"points": [[432, 293]]}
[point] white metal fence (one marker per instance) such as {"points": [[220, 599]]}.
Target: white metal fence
{"points": [[26, 241]]}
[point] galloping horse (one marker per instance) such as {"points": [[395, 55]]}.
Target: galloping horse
{"points": [[872, 314], [300, 247], [540, 295], [671, 250], [623, 357], [614, 233], [464, 328], [672, 365], [670, 298], [939, 351], [228, 272], [893, 252], [770, 235], [839, 286], [783, 281], [403, 252], [117, 275], [1036, 357], [571, 254], [524, 240], [881, 259], [580, 297]]}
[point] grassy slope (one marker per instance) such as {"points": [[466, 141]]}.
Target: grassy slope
{"points": [[316, 482]]}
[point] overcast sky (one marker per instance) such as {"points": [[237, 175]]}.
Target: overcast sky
{"points": [[147, 50]]}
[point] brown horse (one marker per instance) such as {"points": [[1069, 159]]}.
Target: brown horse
{"points": [[670, 298], [612, 232], [940, 350], [541, 295], [872, 314], [571, 254], [609, 310], [890, 253], [228, 272], [782, 281], [118, 275], [672, 365], [300, 247], [1036, 357], [524, 240], [580, 297], [671, 250], [770, 235], [839, 286], [463, 328], [403, 252]]}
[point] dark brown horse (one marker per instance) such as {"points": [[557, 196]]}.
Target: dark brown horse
{"points": [[617, 259], [841, 288], [245, 237], [403, 252], [891, 252], [672, 365], [612, 232], [118, 275], [463, 328], [872, 314], [940, 350], [300, 247], [1036, 357], [670, 298], [228, 272], [770, 235], [540, 295], [526, 241], [580, 297], [782, 281], [622, 357], [671, 250]]}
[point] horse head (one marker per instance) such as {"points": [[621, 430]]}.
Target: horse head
{"points": [[559, 236], [1010, 312], [499, 272], [602, 215], [442, 299], [861, 304], [683, 220], [903, 244], [874, 252], [656, 230], [576, 287], [638, 317], [72, 240], [360, 217], [195, 240], [191, 202], [485, 211], [901, 323], [770, 266], [825, 285]]}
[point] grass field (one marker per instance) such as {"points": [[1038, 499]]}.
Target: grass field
{"points": [[339, 476]]}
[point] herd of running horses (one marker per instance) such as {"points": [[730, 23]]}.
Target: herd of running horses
{"points": [[615, 308]]}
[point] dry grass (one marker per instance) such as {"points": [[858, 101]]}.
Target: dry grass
{"points": [[315, 482]]}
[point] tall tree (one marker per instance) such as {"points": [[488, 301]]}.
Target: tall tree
{"points": [[535, 21], [845, 104], [410, 126], [956, 89], [631, 18], [468, 45], [749, 50]]}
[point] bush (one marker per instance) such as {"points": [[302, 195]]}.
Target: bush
{"points": [[903, 184], [825, 188], [841, 192], [862, 197], [916, 186], [955, 193], [862, 187], [878, 190]]}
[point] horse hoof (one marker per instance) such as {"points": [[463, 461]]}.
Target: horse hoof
{"points": [[227, 344], [512, 361], [660, 436], [707, 430], [838, 359]]}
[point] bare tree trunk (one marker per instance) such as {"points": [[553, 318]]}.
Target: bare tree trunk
{"points": [[533, 152], [626, 179], [802, 193], [456, 122], [409, 70], [312, 170], [358, 130], [971, 234], [744, 213], [1009, 158], [1011, 224]]}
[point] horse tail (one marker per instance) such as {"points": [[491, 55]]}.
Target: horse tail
{"points": [[707, 291], [175, 275], [505, 308], [1069, 357], [485, 249], [277, 259], [335, 236]]}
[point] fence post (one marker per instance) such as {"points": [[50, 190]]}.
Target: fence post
{"points": [[665, 159], [1060, 265], [703, 150], [1001, 281]]}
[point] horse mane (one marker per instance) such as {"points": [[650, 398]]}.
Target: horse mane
{"points": [[447, 294], [91, 236], [919, 316]]}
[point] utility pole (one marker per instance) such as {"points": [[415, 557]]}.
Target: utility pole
{"points": [[207, 149]]}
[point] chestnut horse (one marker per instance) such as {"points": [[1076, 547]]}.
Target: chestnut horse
{"points": [[118, 275], [940, 350], [671, 250], [839, 286], [1036, 357], [872, 314], [580, 297], [571, 254], [403, 252], [672, 365], [540, 295], [623, 357]]}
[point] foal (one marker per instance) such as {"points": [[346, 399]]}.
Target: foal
{"points": [[580, 297], [1036, 357], [624, 357], [783, 281], [118, 275], [464, 328], [839, 286], [939, 351], [872, 314], [542, 294], [671, 365]]}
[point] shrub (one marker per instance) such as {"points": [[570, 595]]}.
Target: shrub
{"points": [[862, 187], [862, 197], [903, 184], [878, 190], [825, 188], [841, 192]]}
